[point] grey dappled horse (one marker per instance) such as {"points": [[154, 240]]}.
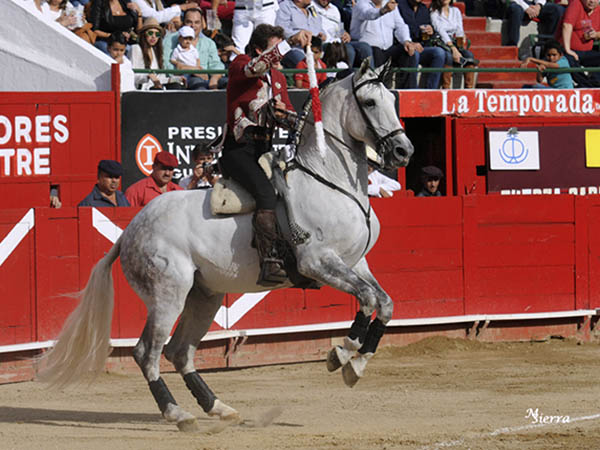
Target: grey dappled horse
{"points": [[181, 260]]}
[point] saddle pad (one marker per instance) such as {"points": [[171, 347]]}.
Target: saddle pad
{"points": [[229, 197]]}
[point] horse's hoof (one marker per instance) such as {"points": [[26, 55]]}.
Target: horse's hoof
{"points": [[349, 375], [338, 356], [224, 412], [188, 425], [333, 362], [354, 370]]}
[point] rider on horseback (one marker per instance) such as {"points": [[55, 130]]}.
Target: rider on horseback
{"points": [[257, 102]]}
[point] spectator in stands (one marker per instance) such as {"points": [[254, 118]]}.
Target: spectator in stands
{"points": [[227, 52], [301, 79], [55, 197], [159, 181], [378, 22], [185, 56], [577, 35], [174, 24], [205, 174], [335, 58], [111, 16], [334, 32], [207, 51], [554, 57], [247, 15], [148, 54], [520, 13], [156, 9], [56, 10], [222, 10], [447, 22], [116, 49], [300, 22], [106, 191], [416, 16], [381, 185], [430, 179], [550, 16]]}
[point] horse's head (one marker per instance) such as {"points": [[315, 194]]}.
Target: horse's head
{"points": [[375, 121]]}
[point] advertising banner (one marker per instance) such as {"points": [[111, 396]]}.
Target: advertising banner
{"points": [[175, 122], [500, 103], [544, 160]]}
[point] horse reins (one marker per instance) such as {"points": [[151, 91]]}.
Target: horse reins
{"points": [[380, 141]]}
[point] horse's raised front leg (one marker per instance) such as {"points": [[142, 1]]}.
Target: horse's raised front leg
{"points": [[198, 314], [364, 335]]}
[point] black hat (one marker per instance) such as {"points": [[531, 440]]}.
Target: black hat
{"points": [[431, 172], [111, 167]]}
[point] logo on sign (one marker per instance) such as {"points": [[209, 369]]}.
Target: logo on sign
{"points": [[146, 149], [514, 150]]}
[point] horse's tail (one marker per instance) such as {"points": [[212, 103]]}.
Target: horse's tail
{"points": [[84, 341]]}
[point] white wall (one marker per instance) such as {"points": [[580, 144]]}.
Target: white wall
{"points": [[36, 55]]}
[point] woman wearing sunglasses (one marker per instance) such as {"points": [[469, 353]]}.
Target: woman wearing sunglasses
{"points": [[148, 54]]}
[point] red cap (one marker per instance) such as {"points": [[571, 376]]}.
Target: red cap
{"points": [[166, 159]]}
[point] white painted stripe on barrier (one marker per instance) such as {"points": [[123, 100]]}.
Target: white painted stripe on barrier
{"points": [[16, 235], [225, 334], [105, 226], [505, 430], [242, 305]]}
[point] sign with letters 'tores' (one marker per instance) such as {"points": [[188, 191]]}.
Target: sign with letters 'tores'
{"points": [[26, 140]]}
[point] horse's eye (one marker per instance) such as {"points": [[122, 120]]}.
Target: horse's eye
{"points": [[369, 103]]}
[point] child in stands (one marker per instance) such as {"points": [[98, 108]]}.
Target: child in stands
{"points": [[185, 56], [335, 57], [554, 58], [117, 43], [301, 79]]}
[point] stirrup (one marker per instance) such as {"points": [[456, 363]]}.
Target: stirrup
{"points": [[271, 278]]}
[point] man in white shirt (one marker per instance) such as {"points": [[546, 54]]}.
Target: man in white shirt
{"points": [[333, 28], [155, 9], [377, 22], [381, 185]]}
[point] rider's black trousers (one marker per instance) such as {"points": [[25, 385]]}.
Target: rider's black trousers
{"points": [[240, 162]]}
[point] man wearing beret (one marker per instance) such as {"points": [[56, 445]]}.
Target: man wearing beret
{"points": [[106, 191], [159, 181], [430, 178]]}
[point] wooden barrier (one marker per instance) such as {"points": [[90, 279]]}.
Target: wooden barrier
{"points": [[449, 263]]}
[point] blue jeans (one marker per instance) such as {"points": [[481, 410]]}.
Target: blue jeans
{"points": [[195, 83], [431, 57], [355, 49]]}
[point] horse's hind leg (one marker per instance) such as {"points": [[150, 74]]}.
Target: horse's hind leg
{"points": [[198, 314]]}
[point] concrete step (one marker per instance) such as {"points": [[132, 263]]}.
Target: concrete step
{"points": [[523, 77], [503, 84], [484, 38], [483, 52], [471, 24]]}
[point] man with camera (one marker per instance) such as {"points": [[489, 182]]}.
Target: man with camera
{"points": [[205, 171]]}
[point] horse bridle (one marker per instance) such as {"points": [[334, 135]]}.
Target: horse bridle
{"points": [[379, 143], [382, 146]]}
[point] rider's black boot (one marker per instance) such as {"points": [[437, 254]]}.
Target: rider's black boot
{"points": [[272, 271]]}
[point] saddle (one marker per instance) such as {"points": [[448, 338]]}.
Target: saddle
{"points": [[229, 198]]}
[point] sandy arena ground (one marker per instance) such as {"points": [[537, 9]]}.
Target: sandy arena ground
{"points": [[436, 394]]}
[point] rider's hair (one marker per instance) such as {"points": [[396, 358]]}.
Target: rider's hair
{"points": [[260, 38]]}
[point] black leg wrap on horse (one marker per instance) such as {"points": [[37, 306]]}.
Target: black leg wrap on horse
{"points": [[359, 327], [161, 394], [206, 398], [376, 330]]}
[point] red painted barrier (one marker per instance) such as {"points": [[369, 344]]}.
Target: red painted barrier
{"points": [[436, 257]]}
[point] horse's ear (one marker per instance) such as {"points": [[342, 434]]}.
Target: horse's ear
{"points": [[384, 72], [364, 67]]}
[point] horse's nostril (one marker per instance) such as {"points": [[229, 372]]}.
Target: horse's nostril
{"points": [[400, 152]]}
